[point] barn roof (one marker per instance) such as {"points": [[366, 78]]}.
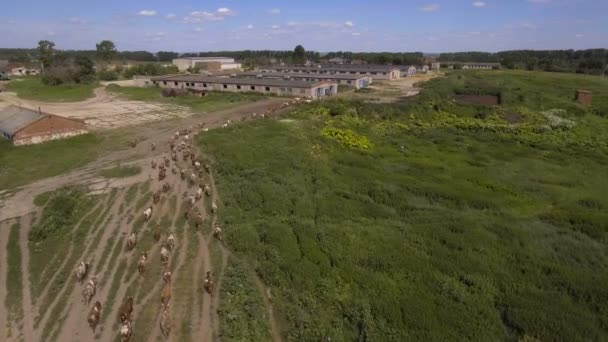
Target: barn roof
{"points": [[13, 119], [240, 81]]}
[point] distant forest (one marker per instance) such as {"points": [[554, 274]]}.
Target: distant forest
{"points": [[592, 61]]}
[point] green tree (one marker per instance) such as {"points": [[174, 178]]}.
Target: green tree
{"points": [[299, 55], [106, 51], [46, 53]]}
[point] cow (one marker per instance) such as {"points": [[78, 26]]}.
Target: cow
{"points": [[132, 241], [126, 330], [125, 312], [213, 207], [141, 264], [162, 174], [165, 296], [217, 232], [182, 173], [148, 213], [167, 162], [170, 241], [174, 169], [81, 270], [153, 146], [166, 187], [192, 178], [199, 193], [94, 315], [191, 201], [192, 155], [186, 214], [167, 275], [133, 143], [174, 156], [199, 220], [153, 163], [164, 255], [207, 167], [165, 323], [207, 190], [90, 288], [156, 197], [186, 155], [208, 283], [196, 164]]}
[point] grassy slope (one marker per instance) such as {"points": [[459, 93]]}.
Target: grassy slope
{"points": [[120, 171], [435, 233], [31, 88], [212, 101]]}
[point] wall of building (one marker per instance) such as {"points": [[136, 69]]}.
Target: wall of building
{"points": [[230, 66], [49, 128]]}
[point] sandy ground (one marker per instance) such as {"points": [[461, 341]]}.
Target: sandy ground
{"points": [[104, 110], [73, 326]]}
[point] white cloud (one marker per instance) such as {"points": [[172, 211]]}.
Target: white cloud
{"points": [[292, 24], [50, 33], [250, 27], [147, 13], [356, 34], [76, 20], [479, 4], [198, 29], [430, 8], [170, 16], [274, 11], [154, 36], [275, 27], [202, 16], [349, 24]]}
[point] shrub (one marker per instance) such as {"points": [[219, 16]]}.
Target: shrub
{"points": [[347, 138], [107, 75]]}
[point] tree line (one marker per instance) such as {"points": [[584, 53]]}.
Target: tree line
{"points": [[591, 61]]}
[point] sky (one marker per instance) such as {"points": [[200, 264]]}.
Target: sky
{"points": [[380, 25]]}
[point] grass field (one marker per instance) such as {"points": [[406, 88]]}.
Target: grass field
{"points": [[31, 88], [427, 219], [212, 101], [120, 171], [25, 164], [14, 298]]}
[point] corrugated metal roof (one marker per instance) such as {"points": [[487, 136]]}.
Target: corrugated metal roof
{"points": [[13, 118], [239, 81], [300, 75], [338, 67]]}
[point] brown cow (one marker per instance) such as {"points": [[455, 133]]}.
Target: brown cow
{"points": [[94, 315], [199, 220], [217, 232], [186, 214], [157, 234], [125, 312], [165, 296], [81, 270], [166, 187], [132, 241], [208, 283], [167, 162], [153, 146], [165, 323], [170, 241], [153, 163], [161, 174], [164, 255], [156, 197], [90, 288], [141, 264]]}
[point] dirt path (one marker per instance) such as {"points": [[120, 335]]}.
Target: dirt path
{"points": [[4, 324], [28, 307]]}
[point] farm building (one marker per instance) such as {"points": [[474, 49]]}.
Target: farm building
{"points": [[357, 81], [408, 71], [336, 60], [17, 69], [422, 68], [206, 63], [473, 65], [435, 66], [202, 84], [24, 126], [377, 72]]}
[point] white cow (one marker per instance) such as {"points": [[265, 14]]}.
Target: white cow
{"points": [[148, 213], [171, 241], [197, 165], [199, 193], [81, 270], [213, 207], [207, 190]]}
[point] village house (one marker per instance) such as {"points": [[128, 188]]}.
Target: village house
{"points": [[24, 126]]}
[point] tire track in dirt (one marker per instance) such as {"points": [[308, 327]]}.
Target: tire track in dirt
{"points": [[201, 317], [28, 308], [4, 323], [214, 317]]}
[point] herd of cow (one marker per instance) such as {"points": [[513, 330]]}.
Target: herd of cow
{"points": [[180, 142]]}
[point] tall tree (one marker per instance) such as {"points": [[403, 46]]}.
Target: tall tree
{"points": [[299, 55], [106, 51], [46, 53]]}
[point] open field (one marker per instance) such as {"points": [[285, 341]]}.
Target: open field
{"points": [[422, 218], [212, 101], [31, 88]]}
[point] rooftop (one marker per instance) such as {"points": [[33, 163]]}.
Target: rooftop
{"points": [[337, 67], [13, 118], [204, 58], [298, 75], [238, 81]]}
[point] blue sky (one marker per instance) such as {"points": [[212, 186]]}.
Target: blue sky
{"points": [[379, 25]]}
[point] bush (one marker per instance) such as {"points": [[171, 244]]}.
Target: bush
{"points": [[150, 69], [107, 75], [347, 138]]}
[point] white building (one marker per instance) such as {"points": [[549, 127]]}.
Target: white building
{"points": [[206, 63]]}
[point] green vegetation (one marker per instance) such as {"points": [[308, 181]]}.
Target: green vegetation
{"points": [[14, 276], [120, 171], [241, 312], [210, 102], [41, 199], [32, 88], [463, 222]]}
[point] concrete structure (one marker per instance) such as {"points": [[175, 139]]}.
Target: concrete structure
{"points": [[377, 72], [206, 63], [17, 69], [422, 69], [435, 66], [336, 60], [25, 126], [408, 70], [202, 84], [584, 97], [473, 65], [356, 81]]}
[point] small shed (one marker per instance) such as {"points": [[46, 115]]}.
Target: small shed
{"points": [[24, 126], [584, 97]]}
